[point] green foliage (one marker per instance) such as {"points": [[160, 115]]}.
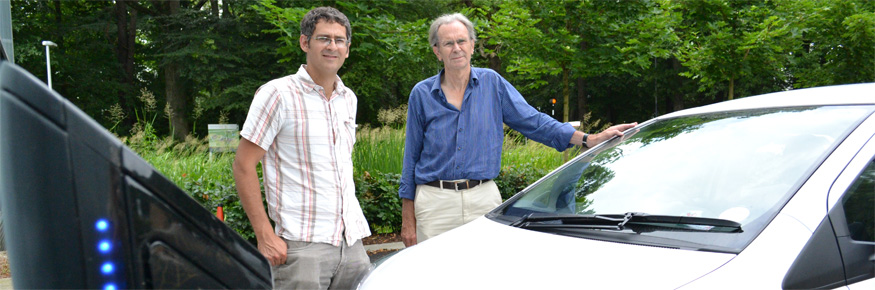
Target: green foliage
{"points": [[618, 61], [517, 176], [621, 60], [206, 177], [378, 197], [829, 42], [387, 37], [378, 150], [212, 193], [519, 150]]}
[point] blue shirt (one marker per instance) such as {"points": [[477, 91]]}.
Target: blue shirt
{"points": [[445, 143]]}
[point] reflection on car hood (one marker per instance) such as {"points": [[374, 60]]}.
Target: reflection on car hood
{"points": [[487, 255]]}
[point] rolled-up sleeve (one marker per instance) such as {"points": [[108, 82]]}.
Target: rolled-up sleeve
{"points": [[263, 120]]}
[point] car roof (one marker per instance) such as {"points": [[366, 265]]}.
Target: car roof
{"points": [[854, 94]]}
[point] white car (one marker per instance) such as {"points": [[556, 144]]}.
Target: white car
{"points": [[765, 192]]}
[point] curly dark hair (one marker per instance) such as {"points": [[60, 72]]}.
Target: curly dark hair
{"points": [[329, 14]]}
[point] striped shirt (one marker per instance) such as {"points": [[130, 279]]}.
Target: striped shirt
{"points": [[445, 143], [307, 167]]}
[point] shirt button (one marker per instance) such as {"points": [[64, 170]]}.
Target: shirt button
{"points": [[460, 129], [458, 148], [457, 167]]}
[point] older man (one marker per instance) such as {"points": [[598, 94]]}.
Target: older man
{"points": [[302, 129], [455, 134]]}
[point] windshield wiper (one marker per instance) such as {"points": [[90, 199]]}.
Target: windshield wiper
{"points": [[635, 221]]}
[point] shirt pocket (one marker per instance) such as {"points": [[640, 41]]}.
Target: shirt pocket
{"points": [[350, 126], [347, 129]]}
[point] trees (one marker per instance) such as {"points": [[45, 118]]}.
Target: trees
{"points": [[830, 42], [83, 69], [732, 42], [620, 60], [389, 51]]}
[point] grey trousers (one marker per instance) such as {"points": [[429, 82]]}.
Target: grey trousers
{"points": [[321, 266]]}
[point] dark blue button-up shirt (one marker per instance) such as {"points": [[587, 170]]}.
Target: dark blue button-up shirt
{"points": [[445, 143]]}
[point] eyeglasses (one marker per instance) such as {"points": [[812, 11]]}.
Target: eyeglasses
{"points": [[450, 43], [325, 40]]}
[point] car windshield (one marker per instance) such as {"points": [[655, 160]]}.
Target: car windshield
{"points": [[739, 166]]}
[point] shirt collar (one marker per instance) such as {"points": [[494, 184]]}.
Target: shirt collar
{"points": [[312, 86], [474, 79]]}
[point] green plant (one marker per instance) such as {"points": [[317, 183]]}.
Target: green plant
{"points": [[516, 151], [168, 112], [213, 193], [378, 196], [514, 178], [144, 131], [395, 118], [116, 116], [207, 178], [378, 150]]}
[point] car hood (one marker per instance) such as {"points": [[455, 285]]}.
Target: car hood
{"points": [[488, 255]]}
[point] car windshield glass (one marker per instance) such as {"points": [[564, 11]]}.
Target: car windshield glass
{"points": [[739, 166]]}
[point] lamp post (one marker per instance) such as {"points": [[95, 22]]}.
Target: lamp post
{"points": [[47, 43]]}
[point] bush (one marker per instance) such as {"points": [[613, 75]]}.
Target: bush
{"points": [[378, 196], [212, 193], [207, 178], [514, 178]]}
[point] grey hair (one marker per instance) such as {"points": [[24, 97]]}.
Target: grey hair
{"points": [[329, 14], [447, 19]]}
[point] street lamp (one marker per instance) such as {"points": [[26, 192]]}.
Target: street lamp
{"points": [[47, 43]]}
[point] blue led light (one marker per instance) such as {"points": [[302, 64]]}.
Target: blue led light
{"points": [[104, 246], [107, 268], [109, 286], [101, 225]]}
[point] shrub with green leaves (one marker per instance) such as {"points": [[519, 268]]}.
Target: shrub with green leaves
{"points": [[514, 178], [207, 178], [214, 193], [378, 195]]}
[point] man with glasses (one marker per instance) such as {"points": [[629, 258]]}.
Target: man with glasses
{"points": [[454, 136], [301, 128]]}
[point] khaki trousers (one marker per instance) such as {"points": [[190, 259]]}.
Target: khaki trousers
{"points": [[439, 210]]}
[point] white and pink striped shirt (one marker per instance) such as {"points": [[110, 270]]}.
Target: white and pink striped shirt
{"points": [[307, 169]]}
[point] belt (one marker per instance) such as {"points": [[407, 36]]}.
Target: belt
{"points": [[460, 185]]}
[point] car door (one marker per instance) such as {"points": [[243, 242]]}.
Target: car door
{"points": [[837, 255], [852, 215]]}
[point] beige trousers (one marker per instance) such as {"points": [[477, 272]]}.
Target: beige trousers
{"points": [[439, 210]]}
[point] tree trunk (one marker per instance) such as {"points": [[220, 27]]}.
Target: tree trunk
{"points": [[126, 23], [177, 100], [582, 108], [57, 13], [565, 93], [677, 96], [731, 94], [495, 63], [174, 90], [214, 8], [226, 9]]}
